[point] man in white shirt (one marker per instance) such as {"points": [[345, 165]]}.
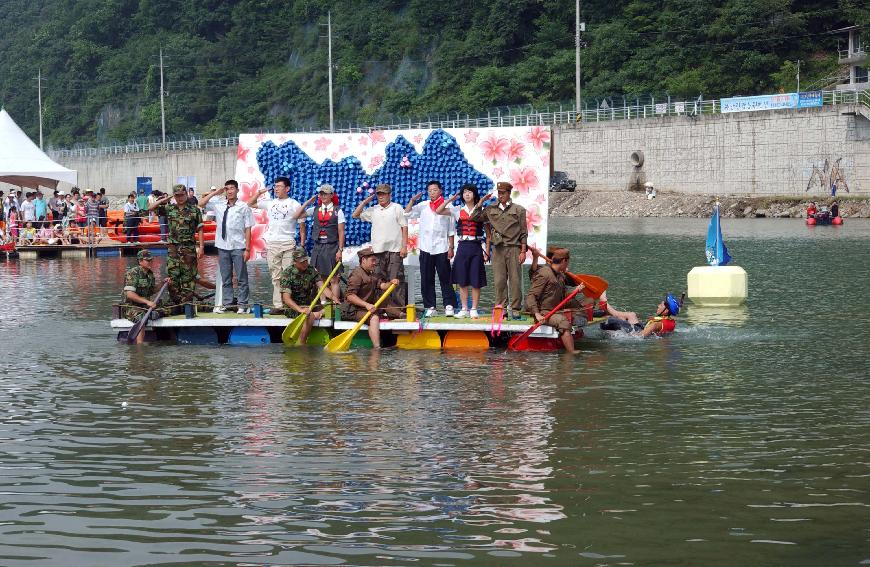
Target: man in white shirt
{"points": [[435, 240], [28, 210], [389, 238], [280, 235], [234, 220]]}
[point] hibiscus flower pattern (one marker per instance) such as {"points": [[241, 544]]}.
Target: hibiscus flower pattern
{"points": [[539, 137], [524, 180], [495, 148]]}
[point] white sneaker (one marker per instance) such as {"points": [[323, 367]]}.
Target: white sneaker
{"points": [[462, 314], [430, 312], [219, 309], [474, 314], [448, 311], [244, 310]]}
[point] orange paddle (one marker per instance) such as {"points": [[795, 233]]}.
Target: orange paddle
{"points": [[594, 285]]}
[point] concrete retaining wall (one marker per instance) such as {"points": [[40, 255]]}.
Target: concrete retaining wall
{"points": [[752, 153], [118, 173]]}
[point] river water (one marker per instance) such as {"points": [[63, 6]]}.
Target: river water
{"points": [[741, 440]]}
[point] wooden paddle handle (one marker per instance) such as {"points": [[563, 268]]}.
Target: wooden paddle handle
{"points": [[326, 283]]}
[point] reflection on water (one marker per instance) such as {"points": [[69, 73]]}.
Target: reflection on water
{"points": [[734, 316], [738, 440]]}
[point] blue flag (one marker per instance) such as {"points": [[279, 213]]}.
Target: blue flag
{"points": [[717, 254]]}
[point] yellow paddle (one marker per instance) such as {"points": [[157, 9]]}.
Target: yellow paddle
{"points": [[294, 327], [342, 342]]}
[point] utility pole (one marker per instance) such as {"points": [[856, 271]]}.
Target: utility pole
{"points": [[162, 107], [39, 98], [578, 27], [329, 36], [799, 76]]}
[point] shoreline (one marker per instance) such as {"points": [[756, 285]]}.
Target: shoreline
{"points": [[635, 205]]}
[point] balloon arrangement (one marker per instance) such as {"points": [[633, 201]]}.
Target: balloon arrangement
{"points": [[404, 169]]}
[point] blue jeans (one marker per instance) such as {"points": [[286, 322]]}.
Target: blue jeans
{"points": [[232, 262]]}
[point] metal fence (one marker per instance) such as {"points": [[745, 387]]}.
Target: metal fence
{"points": [[506, 116]]}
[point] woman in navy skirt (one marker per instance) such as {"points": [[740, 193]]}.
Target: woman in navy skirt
{"points": [[468, 264]]}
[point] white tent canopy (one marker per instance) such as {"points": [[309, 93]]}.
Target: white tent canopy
{"points": [[22, 163]]}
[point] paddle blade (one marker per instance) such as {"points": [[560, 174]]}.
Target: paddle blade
{"points": [[594, 286], [341, 343], [519, 342], [293, 329]]}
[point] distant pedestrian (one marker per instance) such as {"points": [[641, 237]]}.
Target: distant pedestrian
{"points": [[104, 212], [131, 219], [280, 234], [389, 238], [234, 220], [92, 212], [191, 196], [28, 209]]}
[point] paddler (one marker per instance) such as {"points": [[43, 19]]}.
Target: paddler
{"points": [[662, 323], [364, 287], [548, 289], [138, 289], [299, 283]]}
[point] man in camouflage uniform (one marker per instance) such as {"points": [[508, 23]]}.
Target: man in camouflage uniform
{"points": [[299, 284], [185, 228], [138, 288]]}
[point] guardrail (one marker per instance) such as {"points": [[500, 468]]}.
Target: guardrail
{"points": [[652, 109]]}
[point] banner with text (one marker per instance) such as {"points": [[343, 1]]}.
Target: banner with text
{"points": [[771, 102]]}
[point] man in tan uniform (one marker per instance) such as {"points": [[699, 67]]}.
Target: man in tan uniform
{"points": [[364, 287], [507, 247], [548, 289]]}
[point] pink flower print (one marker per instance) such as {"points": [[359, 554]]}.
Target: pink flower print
{"points": [[334, 156], [545, 158], [261, 216], [471, 136], [515, 151], [250, 169], [541, 198], [258, 245], [377, 136], [533, 218], [497, 172], [282, 139], [538, 136], [260, 137], [248, 190], [343, 148], [242, 153], [376, 161], [524, 179], [321, 143], [495, 149], [363, 140], [418, 138], [413, 241], [305, 143]]}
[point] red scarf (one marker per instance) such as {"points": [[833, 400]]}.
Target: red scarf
{"points": [[436, 203]]}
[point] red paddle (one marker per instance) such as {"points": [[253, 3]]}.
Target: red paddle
{"points": [[521, 342]]}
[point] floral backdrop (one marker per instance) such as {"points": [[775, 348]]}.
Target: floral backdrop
{"points": [[355, 163]]}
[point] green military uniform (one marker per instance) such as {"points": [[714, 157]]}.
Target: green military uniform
{"points": [[300, 284], [181, 265], [141, 281]]}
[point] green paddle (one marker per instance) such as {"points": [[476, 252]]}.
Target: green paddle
{"points": [[292, 330], [342, 342]]}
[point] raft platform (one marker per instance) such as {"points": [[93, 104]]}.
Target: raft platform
{"points": [[244, 329]]}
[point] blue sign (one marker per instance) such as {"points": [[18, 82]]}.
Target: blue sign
{"points": [[144, 184], [810, 99], [762, 102]]}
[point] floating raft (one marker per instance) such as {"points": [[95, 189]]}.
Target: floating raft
{"points": [[245, 329], [105, 249]]}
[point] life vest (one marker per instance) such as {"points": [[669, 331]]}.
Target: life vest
{"points": [[668, 325], [467, 227]]}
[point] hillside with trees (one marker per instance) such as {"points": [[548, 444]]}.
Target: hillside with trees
{"points": [[242, 65]]}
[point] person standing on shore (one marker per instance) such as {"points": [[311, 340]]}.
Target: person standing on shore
{"points": [[280, 235], [234, 220], [327, 232], [389, 239], [185, 229], [41, 210], [92, 217], [508, 245], [435, 240]]}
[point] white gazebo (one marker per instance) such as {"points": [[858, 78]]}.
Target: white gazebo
{"points": [[22, 163]]}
